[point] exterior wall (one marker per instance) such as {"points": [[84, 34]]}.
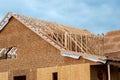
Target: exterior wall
{"points": [[98, 70], [112, 41], [70, 72], [4, 76], [112, 47], [32, 52], [29, 73]]}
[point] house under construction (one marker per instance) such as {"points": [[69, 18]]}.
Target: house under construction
{"points": [[32, 49]]}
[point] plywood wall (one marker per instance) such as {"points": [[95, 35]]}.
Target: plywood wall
{"points": [[32, 50], [70, 72], [4, 76], [112, 41], [80, 72]]}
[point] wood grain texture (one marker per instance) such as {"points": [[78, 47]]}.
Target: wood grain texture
{"points": [[70, 72], [32, 52], [112, 41], [4, 76]]}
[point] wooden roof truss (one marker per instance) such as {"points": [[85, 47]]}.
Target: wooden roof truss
{"points": [[62, 38], [8, 53]]}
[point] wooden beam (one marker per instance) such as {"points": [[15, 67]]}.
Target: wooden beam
{"points": [[65, 40], [95, 63], [86, 43], [108, 67], [76, 41], [70, 43], [81, 43], [62, 35]]}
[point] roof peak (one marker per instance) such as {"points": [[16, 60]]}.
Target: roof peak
{"points": [[71, 29], [60, 36]]}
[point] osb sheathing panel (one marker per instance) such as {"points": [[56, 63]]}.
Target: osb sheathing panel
{"points": [[80, 72], [32, 50], [3, 75], [45, 73], [112, 41], [70, 72], [64, 72], [29, 73]]}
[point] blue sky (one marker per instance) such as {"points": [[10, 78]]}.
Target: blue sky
{"points": [[97, 16]]}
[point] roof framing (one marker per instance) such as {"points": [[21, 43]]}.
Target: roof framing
{"points": [[62, 37]]}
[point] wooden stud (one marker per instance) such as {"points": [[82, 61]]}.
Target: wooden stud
{"points": [[65, 40], [76, 41], [108, 67], [81, 43]]}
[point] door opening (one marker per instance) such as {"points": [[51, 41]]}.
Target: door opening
{"points": [[55, 76], [20, 77]]}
